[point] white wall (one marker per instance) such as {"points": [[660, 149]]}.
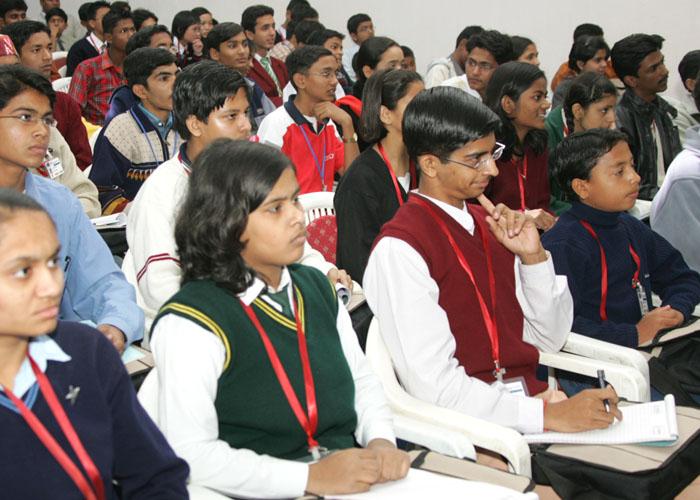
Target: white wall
{"points": [[431, 27]]}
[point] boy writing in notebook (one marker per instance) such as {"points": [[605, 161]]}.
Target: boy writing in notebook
{"points": [[613, 262]]}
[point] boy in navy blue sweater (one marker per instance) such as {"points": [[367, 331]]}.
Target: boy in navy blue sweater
{"points": [[614, 262]]}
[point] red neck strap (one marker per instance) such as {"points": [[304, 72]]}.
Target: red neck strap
{"points": [[94, 492], [394, 180], [489, 316]]}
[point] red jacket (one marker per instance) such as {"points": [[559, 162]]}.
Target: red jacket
{"points": [[70, 125], [258, 74]]}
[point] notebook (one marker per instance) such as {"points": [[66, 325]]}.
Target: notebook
{"points": [[653, 422], [687, 328]]}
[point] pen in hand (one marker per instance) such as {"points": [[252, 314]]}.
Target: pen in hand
{"points": [[603, 384]]}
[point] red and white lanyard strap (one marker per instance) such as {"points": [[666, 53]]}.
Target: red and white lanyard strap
{"points": [[522, 176], [412, 169], [489, 316], [308, 421], [604, 275], [94, 492]]}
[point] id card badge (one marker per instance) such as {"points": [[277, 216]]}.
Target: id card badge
{"points": [[54, 167], [514, 385], [641, 297]]}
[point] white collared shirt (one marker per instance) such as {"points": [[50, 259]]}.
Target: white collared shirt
{"points": [[189, 361], [42, 349], [404, 298], [96, 42]]}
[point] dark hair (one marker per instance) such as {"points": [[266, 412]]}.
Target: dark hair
{"points": [[520, 44], [384, 88], [143, 37], [495, 42], [512, 79], [141, 15], [220, 34], [230, 179], [94, 7], [83, 11], [300, 60], [628, 53], [577, 154], [8, 5], [407, 51], [322, 36], [200, 89], [689, 66], [120, 6], [369, 54], [304, 29], [142, 62], [112, 18], [15, 79], [303, 11], [21, 31], [56, 11], [355, 20], [441, 120], [586, 89], [294, 3], [588, 29], [250, 16], [200, 11], [585, 48], [183, 20], [696, 92], [467, 33], [12, 201]]}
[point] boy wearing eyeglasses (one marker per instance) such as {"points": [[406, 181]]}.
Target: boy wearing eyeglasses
{"points": [[487, 51], [304, 128]]}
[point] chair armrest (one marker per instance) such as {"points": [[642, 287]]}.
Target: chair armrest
{"points": [[446, 442], [605, 351]]}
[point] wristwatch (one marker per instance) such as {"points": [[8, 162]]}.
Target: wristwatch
{"points": [[351, 140]]}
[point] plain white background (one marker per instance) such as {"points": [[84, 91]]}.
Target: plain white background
{"points": [[431, 27]]}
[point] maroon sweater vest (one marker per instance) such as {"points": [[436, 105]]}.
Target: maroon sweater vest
{"points": [[504, 188], [414, 225]]}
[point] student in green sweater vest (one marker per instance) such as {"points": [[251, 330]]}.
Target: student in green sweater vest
{"points": [[259, 369]]}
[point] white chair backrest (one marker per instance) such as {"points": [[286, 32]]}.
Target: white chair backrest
{"points": [[61, 84], [63, 70], [93, 138], [148, 395], [59, 54], [316, 205]]}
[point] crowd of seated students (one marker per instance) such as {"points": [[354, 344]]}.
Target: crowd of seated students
{"points": [[483, 226]]}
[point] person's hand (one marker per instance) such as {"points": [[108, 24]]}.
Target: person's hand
{"points": [[54, 30], [198, 47], [514, 230], [393, 463], [325, 110], [543, 219], [347, 471], [114, 335], [583, 412], [340, 276], [657, 320]]}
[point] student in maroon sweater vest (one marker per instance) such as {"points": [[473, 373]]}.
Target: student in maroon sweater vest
{"points": [[465, 297], [517, 93]]}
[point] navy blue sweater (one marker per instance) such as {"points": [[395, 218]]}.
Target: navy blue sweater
{"points": [[120, 438], [576, 255]]}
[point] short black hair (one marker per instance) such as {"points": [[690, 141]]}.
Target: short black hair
{"points": [[407, 51], [183, 20], [578, 154], [512, 79], [495, 42], [15, 79], [383, 88], [250, 16], [355, 20], [467, 33], [21, 31], [585, 48], [294, 3], [200, 11], [120, 6], [94, 7], [304, 29], [300, 60], [202, 88], [588, 29], [141, 15], [12, 202], [112, 18], [370, 53], [520, 44], [142, 38], [322, 36], [584, 90], [56, 11], [142, 62], [8, 5], [230, 179], [441, 120], [689, 66], [83, 11], [696, 92], [628, 53], [220, 34], [303, 11]]}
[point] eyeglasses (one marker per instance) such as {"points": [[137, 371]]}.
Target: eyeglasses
{"points": [[326, 75], [30, 119], [481, 162], [483, 66]]}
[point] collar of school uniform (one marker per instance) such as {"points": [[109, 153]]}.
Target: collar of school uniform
{"points": [[597, 217]]}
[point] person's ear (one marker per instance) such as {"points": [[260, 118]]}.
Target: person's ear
{"points": [[508, 105], [367, 71], [140, 91], [580, 187], [429, 165], [108, 38], [214, 54], [249, 34], [630, 81], [385, 116], [577, 111], [353, 36], [580, 65], [299, 80], [690, 84], [194, 126]]}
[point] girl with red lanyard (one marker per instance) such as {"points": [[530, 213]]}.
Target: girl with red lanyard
{"points": [[378, 181], [72, 426], [258, 369], [517, 93]]}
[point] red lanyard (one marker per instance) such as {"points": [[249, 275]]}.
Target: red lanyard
{"points": [[412, 169], [604, 270], [97, 489], [522, 176], [308, 422], [489, 316]]}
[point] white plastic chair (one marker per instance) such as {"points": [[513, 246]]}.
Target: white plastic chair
{"points": [[61, 84], [59, 54], [93, 138], [316, 205], [641, 209]]}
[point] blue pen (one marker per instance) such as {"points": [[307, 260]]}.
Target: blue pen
{"points": [[603, 384]]}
